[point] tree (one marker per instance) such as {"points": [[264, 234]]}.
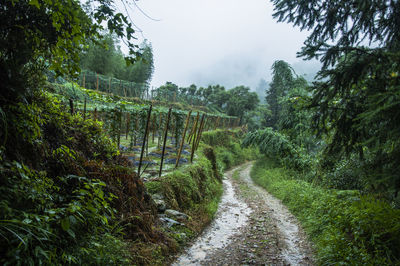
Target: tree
{"points": [[294, 118], [357, 97], [282, 81], [142, 70], [219, 97], [103, 60], [240, 101], [167, 92], [37, 34]]}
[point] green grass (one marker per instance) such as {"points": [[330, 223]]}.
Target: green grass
{"points": [[346, 228], [236, 174]]}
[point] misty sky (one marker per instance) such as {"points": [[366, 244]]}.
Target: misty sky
{"points": [[227, 42]]}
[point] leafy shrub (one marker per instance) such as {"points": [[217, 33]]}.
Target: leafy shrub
{"points": [[42, 219], [273, 144], [225, 158], [346, 174], [228, 150]]}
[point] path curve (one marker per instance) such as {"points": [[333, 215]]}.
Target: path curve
{"points": [[231, 215], [266, 234]]}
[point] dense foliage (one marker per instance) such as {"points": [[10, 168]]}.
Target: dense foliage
{"points": [[54, 208], [109, 61], [356, 99]]}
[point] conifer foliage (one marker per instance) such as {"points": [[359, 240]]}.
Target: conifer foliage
{"points": [[357, 97]]}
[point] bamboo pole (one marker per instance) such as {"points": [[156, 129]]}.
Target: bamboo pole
{"points": [[183, 139], [200, 131], [194, 128], [165, 141], [159, 135], [194, 139], [144, 139], [197, 140]]}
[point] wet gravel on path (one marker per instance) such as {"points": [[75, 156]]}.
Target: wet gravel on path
{"points": [[251, 228]]}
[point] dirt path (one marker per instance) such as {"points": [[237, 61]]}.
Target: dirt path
{"points": [[251, 228]]}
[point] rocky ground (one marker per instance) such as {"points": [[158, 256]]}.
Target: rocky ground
{"points": [[267, 234]]}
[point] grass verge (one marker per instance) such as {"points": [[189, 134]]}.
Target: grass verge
{"points": [[347, 228]]}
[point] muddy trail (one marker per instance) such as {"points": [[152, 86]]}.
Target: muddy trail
{"points": [[251, 227]]}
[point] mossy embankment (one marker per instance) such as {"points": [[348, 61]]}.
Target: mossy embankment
{"points": [[195, 189], [347, 228]]}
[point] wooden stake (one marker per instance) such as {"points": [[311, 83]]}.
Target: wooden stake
{"points": [[203, 119], [194, 128], [159, 134], [194, 138], [97, 83], [165, 141], [144, 139], [183, 139]]}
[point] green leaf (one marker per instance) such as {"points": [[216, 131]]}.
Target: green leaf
{"points": [[65, 224], [35, 3], [71, 233]]}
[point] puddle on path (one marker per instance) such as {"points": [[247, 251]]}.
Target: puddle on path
{"points": [[231, 215]]}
